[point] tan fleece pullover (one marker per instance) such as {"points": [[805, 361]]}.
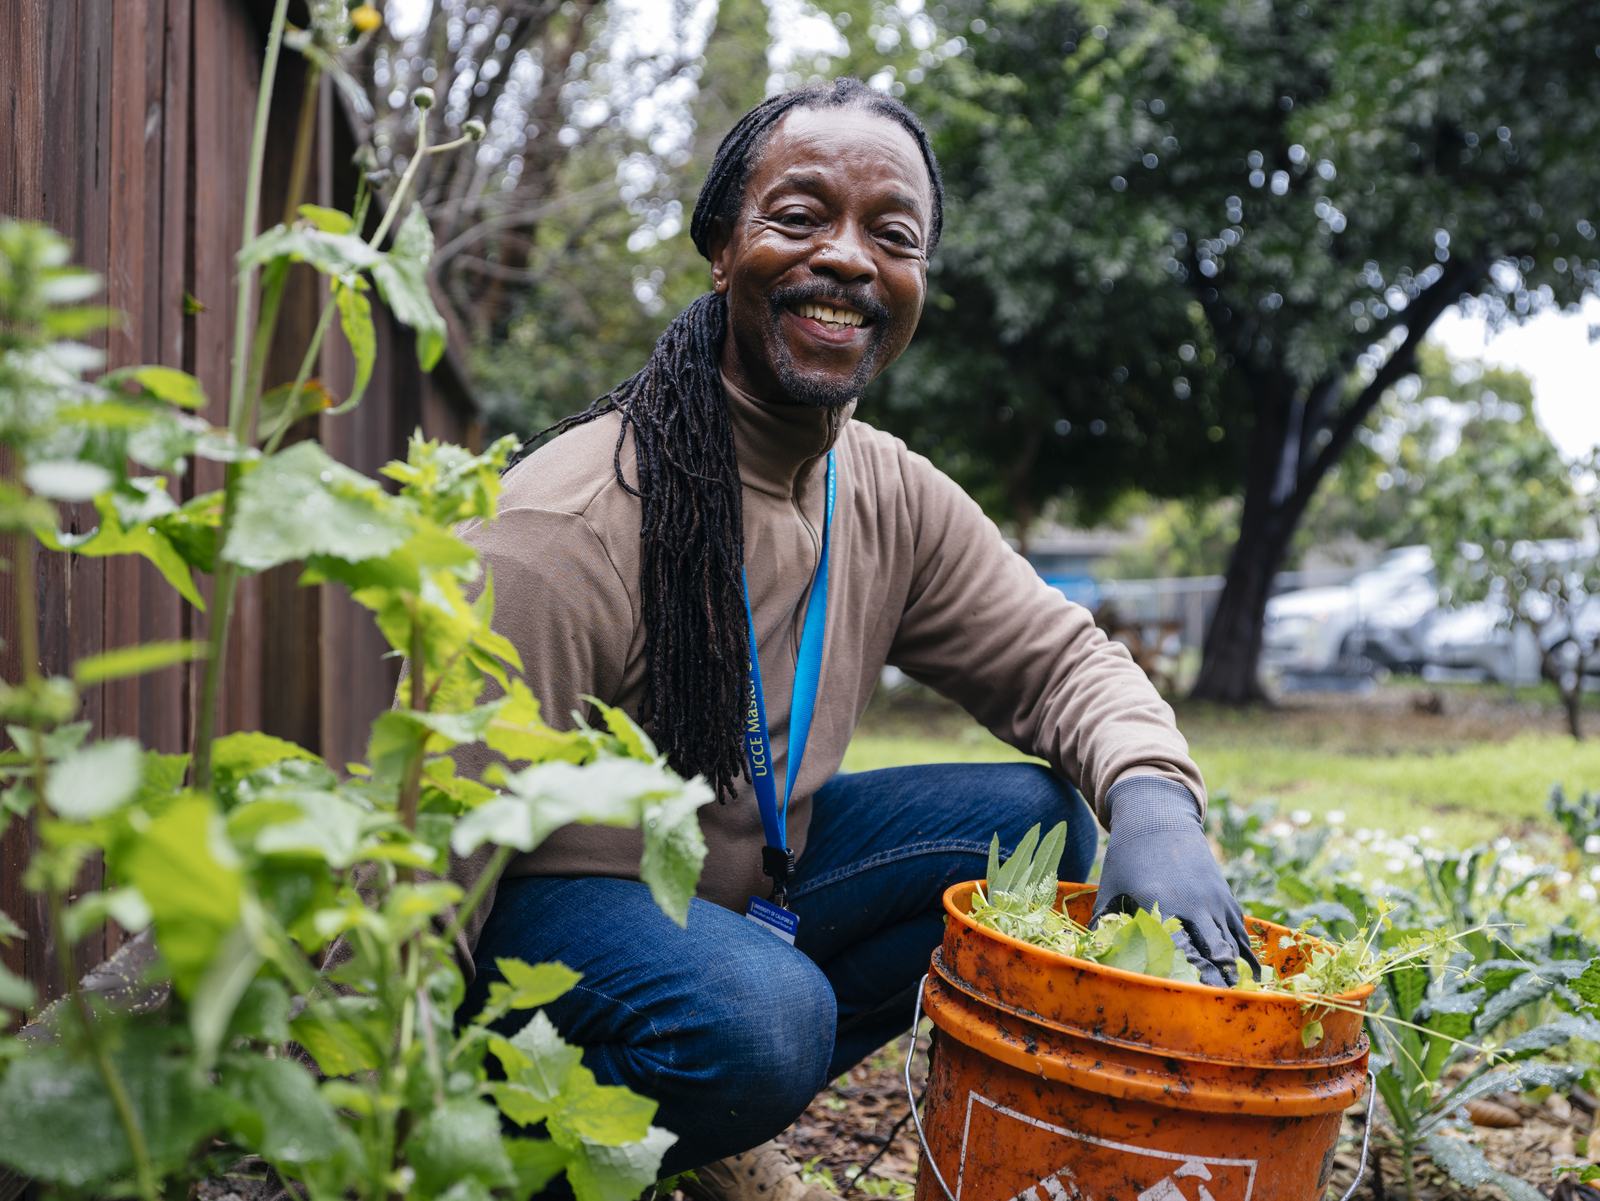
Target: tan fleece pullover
{"points": [[918, 578]]}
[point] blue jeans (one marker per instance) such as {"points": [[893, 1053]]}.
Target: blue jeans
{"points": [[728, 1027]]}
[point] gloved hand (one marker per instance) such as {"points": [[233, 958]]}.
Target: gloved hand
{"points": [[1158, 855]]}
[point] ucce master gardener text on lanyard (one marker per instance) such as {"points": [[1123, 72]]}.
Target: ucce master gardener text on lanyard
{"points": [[777, 860]]}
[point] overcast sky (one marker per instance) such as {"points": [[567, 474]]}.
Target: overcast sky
{"points": [[1555, 351]]}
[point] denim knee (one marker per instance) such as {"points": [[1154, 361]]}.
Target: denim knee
{"points": [[1045, 799]]}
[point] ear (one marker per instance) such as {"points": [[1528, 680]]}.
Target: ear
{"points": [[720, 244]]}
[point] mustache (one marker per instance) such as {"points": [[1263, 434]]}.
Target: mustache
{"points": [[832, 294]]}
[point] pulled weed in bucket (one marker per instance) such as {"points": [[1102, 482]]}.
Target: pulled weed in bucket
{"points": [[1021, 903]]}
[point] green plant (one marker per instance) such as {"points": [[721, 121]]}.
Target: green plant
{"points": [[1579, 817], [253, 858]]}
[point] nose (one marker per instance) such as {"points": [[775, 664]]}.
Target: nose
{"points": [[844, 255]]}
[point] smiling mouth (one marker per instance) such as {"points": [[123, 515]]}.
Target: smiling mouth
{"points": [[832, 318]]}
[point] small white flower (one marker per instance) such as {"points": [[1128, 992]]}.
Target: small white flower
{"points": [[1336, 817]]}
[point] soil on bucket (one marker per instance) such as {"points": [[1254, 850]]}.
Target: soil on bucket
{"points": [[847, 1123]]}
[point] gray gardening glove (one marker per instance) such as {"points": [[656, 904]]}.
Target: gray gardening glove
{"points": [[1158, 855]]}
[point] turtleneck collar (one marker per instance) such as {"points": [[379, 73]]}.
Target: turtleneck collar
{"points": [[777, 444]]}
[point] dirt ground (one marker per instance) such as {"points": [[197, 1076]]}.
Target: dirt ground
{"points": [[855, 1140]]}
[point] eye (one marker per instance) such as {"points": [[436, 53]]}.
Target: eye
{"points": [[798, 218], [898, 236]]}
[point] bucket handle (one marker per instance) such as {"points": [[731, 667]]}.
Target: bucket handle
{"points": [[911, 1094], [1366, 1135], [922, 1138]]}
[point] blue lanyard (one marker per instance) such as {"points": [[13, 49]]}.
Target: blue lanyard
{"points": [[808, 669]]}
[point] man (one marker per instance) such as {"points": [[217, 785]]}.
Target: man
{"points": [[722, 500]]}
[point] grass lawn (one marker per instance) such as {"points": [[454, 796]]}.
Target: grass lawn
{"points": [[1467, 763]]}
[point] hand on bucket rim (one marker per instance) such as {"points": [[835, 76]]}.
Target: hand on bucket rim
{"points": [[1157, 854]]}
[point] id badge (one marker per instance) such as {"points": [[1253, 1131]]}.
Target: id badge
{"points": [[770, 917]]}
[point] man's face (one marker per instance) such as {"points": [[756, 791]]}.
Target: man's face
{"points": [[827, 268]]}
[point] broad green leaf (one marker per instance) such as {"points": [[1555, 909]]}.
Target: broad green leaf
{"points": [[1406, 986], [547, 796], [194, 894], [993, 870], [262, 1013], [355, 319], [1144, 944], [58, 1124], [329, 221], [636, 744], [675, 849], [76, 322], [402, 279], [606, 1113], [277, 1110], [458, 1140], [110, 538], [57, 744], [550, 1060], [1552, 1034], [344, 1035], [165, 383], [1466, 1165], [1587, 986], [527, 986], [1014, 868], [1456, 1024], [519, 734], [15, 992], [300, 503], [192, 530], [611, 1173], [535, 1162], [327, 826], [125, 905], [68, 479], [135, 660], [337, 254], [235, 756], [95, 780], [217, 994], [9, 929]]}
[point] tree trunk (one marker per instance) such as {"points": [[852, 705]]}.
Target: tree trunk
{"points": [[1574, 699], [1300, 434]]}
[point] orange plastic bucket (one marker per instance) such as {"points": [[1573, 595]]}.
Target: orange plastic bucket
{"points": [[1055, 1079]]}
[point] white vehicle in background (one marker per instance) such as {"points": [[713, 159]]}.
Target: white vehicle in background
{"points": [[1477, 642], [1350, 628]]}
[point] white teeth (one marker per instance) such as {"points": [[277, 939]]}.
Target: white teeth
{"points": [[837, 318]]}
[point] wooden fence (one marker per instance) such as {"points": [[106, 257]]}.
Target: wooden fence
{"points": [[125, 124]]}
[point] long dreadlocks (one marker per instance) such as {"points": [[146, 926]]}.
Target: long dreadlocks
{"points": [[692, 536]]}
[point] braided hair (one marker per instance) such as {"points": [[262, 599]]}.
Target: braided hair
{"points": [[691, 561]]}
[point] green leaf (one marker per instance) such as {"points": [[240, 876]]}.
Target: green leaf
{"points": [[1466, 1165], [993, 870], [68, 479], [192, 530], [58, 1124], [458, 1140], [1021, 859], [402, 279], [548, 1060], [1587, 986], [355, 319], [129, 909], [95, 780], [217, 995], [278, 1112], [15, 992], [165, 383], [326, 826], [147, 540], [528, 986], [76, 322], [329, 221], [135, 660], [635, 742], [9, 929], [675, 849], [344, 1035], [195, 896], [335, 254], [262, 1013], [337, 512], [535, 1162], [605, 1113], [617, 1173], [1144, 944], [235, 756], [274, 411], [547, 796]]}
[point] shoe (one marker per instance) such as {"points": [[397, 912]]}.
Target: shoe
{"points": [[764, 1173]]}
